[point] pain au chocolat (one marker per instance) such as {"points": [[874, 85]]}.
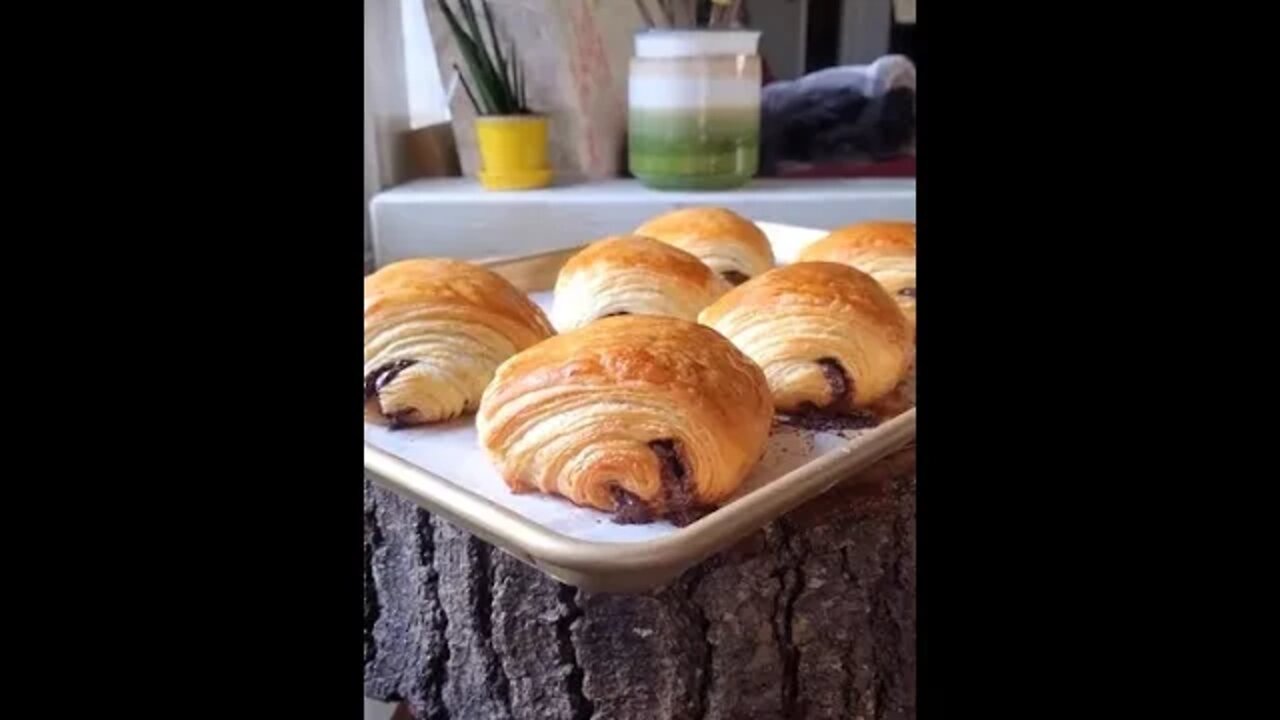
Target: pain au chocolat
{"points": [[632, 275], [885, 250], [728, 243], [828, 337], [434, 332], [642, 416]]}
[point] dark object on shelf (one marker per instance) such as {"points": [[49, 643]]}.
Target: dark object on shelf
{"points": [[822, 35], [902, 40], [848, 114], [901, 167]]}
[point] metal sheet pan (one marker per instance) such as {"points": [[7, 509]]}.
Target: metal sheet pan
{"points": [[641, 565]]}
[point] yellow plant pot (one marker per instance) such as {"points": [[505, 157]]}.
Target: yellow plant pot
{"points": [[513, 152]]}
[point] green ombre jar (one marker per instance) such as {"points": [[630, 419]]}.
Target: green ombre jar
{"points": [[694, 118]]}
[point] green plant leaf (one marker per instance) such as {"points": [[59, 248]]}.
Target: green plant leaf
{"points": [[497, 51], [463, 79], [520, 83], [469, 14], [493, 103], [499, 90], [497, 86], [510, 70]]}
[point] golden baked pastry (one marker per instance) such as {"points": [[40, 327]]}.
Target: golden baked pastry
{"points": [[642, 416], [434, 332], [632, 275], [728, 243], [886, 250], [828, 336]]}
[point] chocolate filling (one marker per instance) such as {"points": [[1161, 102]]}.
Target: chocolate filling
{"points": [[401, 419], [615, 314], [841, 384], [378, 379], [907, 292], [734, 277], [841, 402], [837, 415], [631, 510], [681, 503], [840, 415]]}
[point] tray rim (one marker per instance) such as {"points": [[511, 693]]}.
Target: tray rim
{"points": [[633, 566]]}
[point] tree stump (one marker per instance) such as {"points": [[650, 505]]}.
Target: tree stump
{"points": [[812, 617]]}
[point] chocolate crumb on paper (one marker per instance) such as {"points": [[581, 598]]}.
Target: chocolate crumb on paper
{"points": [[830, 423]]}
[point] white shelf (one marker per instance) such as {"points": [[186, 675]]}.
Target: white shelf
{"points": [[455, 217]]}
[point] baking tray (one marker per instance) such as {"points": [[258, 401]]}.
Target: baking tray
{"points": [[606, 557]]}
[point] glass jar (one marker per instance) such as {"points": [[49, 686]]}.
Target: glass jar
{"points": [[694, 108]]}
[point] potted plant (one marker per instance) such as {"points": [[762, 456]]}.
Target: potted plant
{"points": [[512, 139]]}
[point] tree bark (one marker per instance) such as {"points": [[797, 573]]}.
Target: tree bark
{"points": [[812, 617]]}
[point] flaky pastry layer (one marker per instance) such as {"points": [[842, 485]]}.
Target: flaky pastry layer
{"points": [[632, 275], [884, 249], [731, 245], [828, 336], [643, 416], [434, 332]]}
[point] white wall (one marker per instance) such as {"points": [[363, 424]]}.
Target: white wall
{"points": [[402, 90], [864, 30], [782, 43], [427, 102]]}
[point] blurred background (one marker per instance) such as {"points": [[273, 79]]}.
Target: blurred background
{"points": [[418, 124]]}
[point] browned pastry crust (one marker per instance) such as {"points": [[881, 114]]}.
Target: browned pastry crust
{"points": [[632, 275], [731, 245], [884, 249], [828, 336], [434, 332], [643, 416]]}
